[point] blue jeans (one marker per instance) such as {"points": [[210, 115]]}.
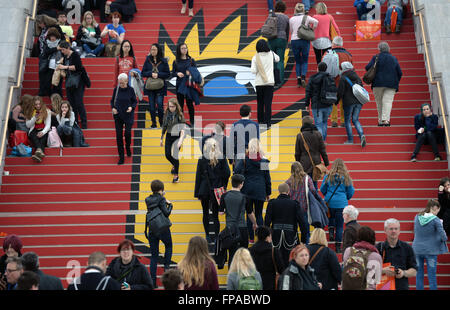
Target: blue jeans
{"points": [[300, 49], [156, 102], [97, 51], [308, 4], [431, 267], [337, 221], [166, 238], [321, 119], [351, 113], [387, 20]]}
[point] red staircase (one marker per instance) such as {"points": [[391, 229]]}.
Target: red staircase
{"points": [[70, 205]]}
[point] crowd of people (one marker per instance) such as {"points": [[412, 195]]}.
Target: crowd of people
{"points": [[279, 259]]}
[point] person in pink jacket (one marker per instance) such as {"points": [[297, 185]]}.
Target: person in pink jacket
{"points": [[323, 39]]}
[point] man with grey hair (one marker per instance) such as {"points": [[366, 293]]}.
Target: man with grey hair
{"points": [[30, 261], [386, 82], [399, 254], [350, 215], [337, 51], [14, 270]]}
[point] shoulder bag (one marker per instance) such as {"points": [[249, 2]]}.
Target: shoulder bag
{"points": [[369, 76], [320, 169], [152, 83], [305, 32], [73, 80], [315, 254]]}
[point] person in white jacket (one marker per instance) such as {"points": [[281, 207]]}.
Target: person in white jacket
{"points": [[38, 122], [262, 66]]}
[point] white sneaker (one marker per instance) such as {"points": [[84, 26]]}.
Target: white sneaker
{"points": [[183, 8]]}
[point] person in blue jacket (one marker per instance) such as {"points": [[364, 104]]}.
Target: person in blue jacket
{"points": [[258, 185], [156, 66], [386, 82], [430, 240], [426, 124], [365, 6], [337, 188]]}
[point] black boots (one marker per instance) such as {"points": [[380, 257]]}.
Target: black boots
{"points": [[338, 247], [331, 233]]}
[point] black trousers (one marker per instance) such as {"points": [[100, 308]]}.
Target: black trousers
{"points": [[242, 244], [169, 145], [206, 202], [190, 105], [119, 124], [319, 54], [431, 138], [46, 88], [264, 96], [38, 143], [75, 98]]}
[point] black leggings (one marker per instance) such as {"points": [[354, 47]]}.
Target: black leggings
{"points": [[190, 105], [319, 54], [169, 145]]}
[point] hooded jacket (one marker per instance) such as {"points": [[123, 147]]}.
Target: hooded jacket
{"points": [[261, 253], [316, 148], [429, 235]]}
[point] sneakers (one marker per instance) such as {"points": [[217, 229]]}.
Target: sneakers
{"points": [[38, 155], [413, 158], [175, 179], [348, 142], [183, 8], [437, 158], [191, 12], [363, 141]]}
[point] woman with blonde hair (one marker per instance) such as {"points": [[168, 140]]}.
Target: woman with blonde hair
{"points": [[242, 274], [173, 126], [88, 35], [297, 191], [324, 260], [257, 186], [337, 188], [39, 122], [197, 267], [212, 176], [323, 37]]}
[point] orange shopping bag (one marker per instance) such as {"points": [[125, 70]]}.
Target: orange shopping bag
{"points": [[368, 30], [394, 17], [387, 283]]}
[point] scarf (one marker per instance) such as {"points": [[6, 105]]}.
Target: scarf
{"points": [[52, 44], [365, 245]]}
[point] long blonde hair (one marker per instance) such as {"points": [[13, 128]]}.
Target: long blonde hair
{"points": [[94, 22], [297, 175], [211, 151], [242, 263], [338, 169], [193, 264]]}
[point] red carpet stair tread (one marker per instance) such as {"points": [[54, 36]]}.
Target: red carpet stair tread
{"points": [[71, 205]]}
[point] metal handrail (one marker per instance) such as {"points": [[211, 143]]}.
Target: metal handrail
{"points": [[19, 79], [430, 72]]}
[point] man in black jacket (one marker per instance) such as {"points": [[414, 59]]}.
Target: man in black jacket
{"points": [[284, 215], [94, 277], [350, 215], [30, 262]]}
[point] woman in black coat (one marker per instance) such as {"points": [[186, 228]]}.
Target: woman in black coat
{"points": [[267, 259], [258, 185], [212, 172], [156, 67], [325, 263], [47, 63], [128, 270], [444, 201], [123, 103], [73, 65]]}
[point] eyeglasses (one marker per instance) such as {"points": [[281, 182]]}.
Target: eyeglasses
{"points": [[11, 270]]}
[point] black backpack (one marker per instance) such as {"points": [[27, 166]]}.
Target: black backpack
{"points": [[156, 222], [328, 91]]}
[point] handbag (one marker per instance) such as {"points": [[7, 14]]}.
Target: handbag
{"points": [[369, 76], [276, 72], [315, 254], [333, 31], [359, 92], [73, 80], [152, 83], [387, 283], [305, 32], [53, 139], [92, 42], [320, 169]]}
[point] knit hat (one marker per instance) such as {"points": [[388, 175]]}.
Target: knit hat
{"points": [[346, 65]]}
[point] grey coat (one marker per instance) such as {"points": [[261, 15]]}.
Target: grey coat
{"points": [[429, 239]]}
